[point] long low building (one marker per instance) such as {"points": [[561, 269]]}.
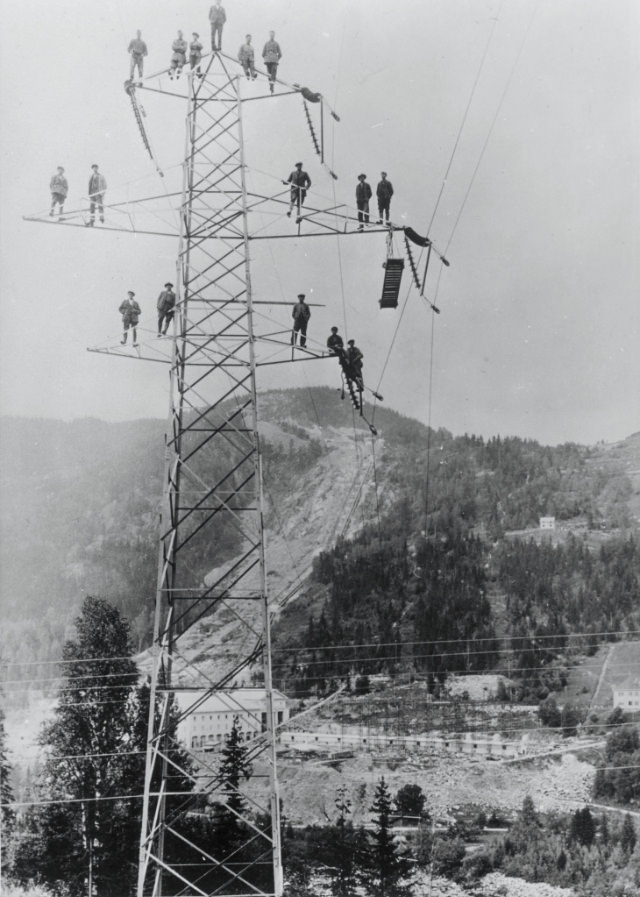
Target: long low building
{"points": [[210, 717], [493, 747]]}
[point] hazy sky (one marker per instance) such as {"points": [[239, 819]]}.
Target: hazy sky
{"points": [[509, 130]]}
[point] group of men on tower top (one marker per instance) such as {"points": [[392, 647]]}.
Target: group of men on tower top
{"points": [[271, 52]]}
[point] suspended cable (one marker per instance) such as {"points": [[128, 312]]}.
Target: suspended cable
{"points": [[464, 117], [490, 131]]}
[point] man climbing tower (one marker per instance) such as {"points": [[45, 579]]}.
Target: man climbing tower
{"points": [[353, 369]]}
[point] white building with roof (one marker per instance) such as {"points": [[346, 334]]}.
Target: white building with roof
{"points": [[626, 694], [211, 718]]}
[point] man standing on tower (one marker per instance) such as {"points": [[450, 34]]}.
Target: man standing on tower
{"points": [[179, 57], [137, 50], [195, 53], [271, 53], [217, 17], [384, 193], [300, 314], [97, 189], [246, 55], [59, 188], [300, 183], [130, 311], [166, 305], [363, 195]]}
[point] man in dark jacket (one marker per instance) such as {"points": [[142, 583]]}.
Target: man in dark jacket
{"points": [[335, 343], [271, 54], [97, 189], [363, 195], [217, 17], [384, 193], [300, 314], [300, 183], [166, 305], [130, 311], [354, 358]]}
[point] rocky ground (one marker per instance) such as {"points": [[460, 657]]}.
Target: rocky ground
{"points": [[556, 783]]}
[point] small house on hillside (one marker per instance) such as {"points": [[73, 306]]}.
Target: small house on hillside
{"points": [[209, 723], [626, 694], [547, 523]]}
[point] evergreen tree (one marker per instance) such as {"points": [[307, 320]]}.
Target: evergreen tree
{"points": [[234, 768], [583, 827], [384, 868], [87, 824], [345, 849], [7, 813], [628, 836]]}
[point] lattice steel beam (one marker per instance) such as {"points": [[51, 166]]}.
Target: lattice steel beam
{"points": [[212, 514]]}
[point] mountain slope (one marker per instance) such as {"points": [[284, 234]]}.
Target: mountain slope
{"points": [[80, 512]]}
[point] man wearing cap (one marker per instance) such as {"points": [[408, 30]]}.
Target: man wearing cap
{"points": [[166, 305], [353, 357], [384, 192], [97, 189], [363, 195], [300, 314], [195, 53], [59, 188], [179, 56], [271, 53], [300, 183], [335, 344], [137, 51], [130, 311]]}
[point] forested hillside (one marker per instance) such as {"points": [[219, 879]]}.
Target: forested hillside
{"points": [[436, 527]]}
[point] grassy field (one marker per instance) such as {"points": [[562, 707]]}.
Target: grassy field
{"points": [[590, 681]]}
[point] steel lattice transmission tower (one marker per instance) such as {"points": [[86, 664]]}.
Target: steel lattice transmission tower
{"points": [[212, 499]]}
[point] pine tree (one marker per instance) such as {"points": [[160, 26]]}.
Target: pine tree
{"points": [[345, 846], [86, 825], [628, 836], [7, 814], [234, 768], [384, 869]]}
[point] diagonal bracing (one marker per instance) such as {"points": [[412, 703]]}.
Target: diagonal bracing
{"points": [[212, 515]]}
